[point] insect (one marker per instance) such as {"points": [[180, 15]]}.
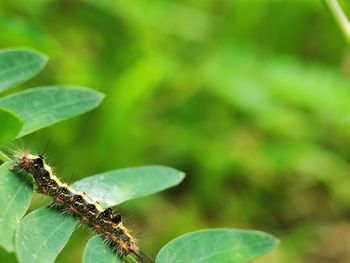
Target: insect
{"points": [[103, 220]]}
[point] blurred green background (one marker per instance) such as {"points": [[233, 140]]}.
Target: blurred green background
{"points": [[249, 98]]}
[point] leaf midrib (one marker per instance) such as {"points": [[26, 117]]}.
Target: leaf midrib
{"points": [[18, 67]]}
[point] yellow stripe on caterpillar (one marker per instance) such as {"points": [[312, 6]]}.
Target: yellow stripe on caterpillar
{"points": [[87, 210]]}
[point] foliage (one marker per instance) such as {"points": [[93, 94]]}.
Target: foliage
{"points": [[231, 246], [11, 125], [42, 234], [267, 129]]}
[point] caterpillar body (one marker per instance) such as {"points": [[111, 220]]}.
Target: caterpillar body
{"points": [[90, 212]]}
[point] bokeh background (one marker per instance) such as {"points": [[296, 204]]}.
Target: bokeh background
{"points": [[250, 98]]}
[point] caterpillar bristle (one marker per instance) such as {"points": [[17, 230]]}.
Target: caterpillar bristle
{"points": [[43, 152], [66, 211], [102, 221], [53, 205]]}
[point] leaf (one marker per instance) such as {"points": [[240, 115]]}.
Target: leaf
{"points": [[217, 245], [96, 251], [19, 65], [117, 186], [41, 107], [15, 197], [42, 235], [10, 125]]}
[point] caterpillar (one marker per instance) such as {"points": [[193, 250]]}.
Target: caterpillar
{"points": [[90, 212]]}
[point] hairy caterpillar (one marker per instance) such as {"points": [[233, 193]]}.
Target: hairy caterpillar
{"points": [[90, 212]]}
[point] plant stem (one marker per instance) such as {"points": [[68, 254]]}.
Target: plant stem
{"points": [[339, 16], [130, 259], [4, 157]]}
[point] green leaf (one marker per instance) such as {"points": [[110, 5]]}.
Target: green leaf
{"points": [[42, 235], [10, 125], [19, 65], [217, 245], [96, 251], [15, 197], [117, 186], [41, 107]]}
